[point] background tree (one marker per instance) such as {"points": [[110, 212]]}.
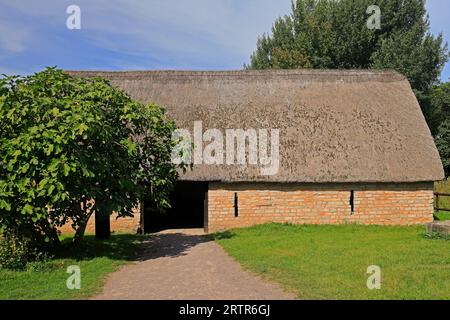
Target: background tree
{"points": [[71, 147], [440, 100], [334, 34]]}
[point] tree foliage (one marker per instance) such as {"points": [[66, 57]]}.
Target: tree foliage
{"points": [[334, 35], [440, 100], [73, 146]]}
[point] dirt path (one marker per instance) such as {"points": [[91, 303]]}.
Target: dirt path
{"points": [[183, 264]]}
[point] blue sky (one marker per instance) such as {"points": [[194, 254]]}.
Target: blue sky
{"points": [[152, 34]]}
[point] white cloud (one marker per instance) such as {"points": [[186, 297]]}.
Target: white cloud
{"points": [[160, 27], [13, 37]]}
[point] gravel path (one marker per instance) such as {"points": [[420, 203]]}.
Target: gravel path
{"points": [[184, 264]]}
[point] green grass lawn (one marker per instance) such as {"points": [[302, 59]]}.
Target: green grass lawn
{"points": [[442, 215], [47, 280], [330, 262]]}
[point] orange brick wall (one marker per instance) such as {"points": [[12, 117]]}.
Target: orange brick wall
{"points": [[120, 225], [402, 204]]}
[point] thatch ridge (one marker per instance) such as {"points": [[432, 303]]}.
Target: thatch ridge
{"points": [[349, 75]]}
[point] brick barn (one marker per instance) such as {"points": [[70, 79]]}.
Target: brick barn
{"points": [[353, 147]]}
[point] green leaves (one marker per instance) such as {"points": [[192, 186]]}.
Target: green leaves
{"points": [[53, 166], [49, 149], [130, 146], [439, 108], [86, 172], [42, 183], [27, 209], [5, 205], [333, 34], [67, 141], [66, 169], [25, 168], [81, 128], [50, 190]]}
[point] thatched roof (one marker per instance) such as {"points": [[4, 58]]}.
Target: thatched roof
{"points": [[335, 126]]}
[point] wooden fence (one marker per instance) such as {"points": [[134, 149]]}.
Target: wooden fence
{"points": [[436, 201]]}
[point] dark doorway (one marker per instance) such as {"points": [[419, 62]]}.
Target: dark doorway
{"points": [[187, 210]]}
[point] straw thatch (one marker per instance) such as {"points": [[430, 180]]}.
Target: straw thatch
{"points": [[335, 126]]}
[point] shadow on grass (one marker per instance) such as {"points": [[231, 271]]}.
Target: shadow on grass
{"points": [[222, 235], [131, 247], [117, 247]]}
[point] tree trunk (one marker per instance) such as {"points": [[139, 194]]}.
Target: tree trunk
{"points": [[54, 236], [50, 232], [102, 224], [79, 234], [141, 229]]}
